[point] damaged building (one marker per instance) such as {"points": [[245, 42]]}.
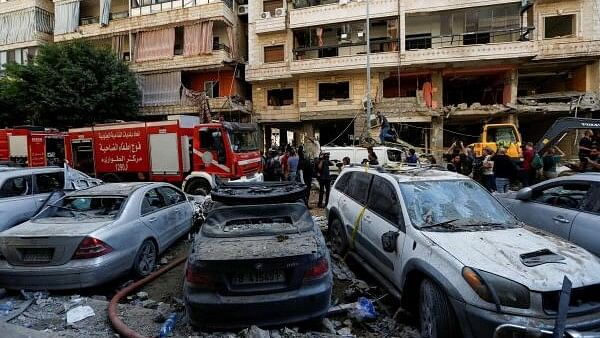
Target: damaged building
{"points": [[187, 54], [440, 70]]}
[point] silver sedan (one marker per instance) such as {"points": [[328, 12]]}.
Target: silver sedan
{"points": [[93, 236]]}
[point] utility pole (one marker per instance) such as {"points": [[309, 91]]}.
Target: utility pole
{"points": [[368, 72]]}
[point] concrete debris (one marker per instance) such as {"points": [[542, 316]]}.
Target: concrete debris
{"points": [[79, 313], [149, 304], [328, 325], [142, 295], [163, 311], [163, 261], [97, 297], [255, 332], [345, 332], [462, 106]]}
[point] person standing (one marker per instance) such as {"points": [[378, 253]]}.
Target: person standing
{"points": [[412, 157], [585, 144], [385, 127], [551, 160], [504, 170], [324, 179], [487, 170], [305, 172], [372, 157], [527, 174], [293, 161]]}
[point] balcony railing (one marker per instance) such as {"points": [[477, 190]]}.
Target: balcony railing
{"points": [[88, 20], [346, 49], [310, 3], [425, 41], [220, 46], [142, 7]]}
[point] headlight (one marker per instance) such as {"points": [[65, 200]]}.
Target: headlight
{"points": [[489, 286]]}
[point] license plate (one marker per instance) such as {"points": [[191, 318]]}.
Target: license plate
{"points": [[259, 277], [36, 255]]}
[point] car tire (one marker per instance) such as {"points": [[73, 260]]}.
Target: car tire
{"points": [[338, 238], [436, 315], [146, 258], [198, 187]]}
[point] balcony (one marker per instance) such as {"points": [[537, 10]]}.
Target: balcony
{"points": [[144, 7], [268, 71], [272, 22], [553, 49], [329, 12], [216, 59]]}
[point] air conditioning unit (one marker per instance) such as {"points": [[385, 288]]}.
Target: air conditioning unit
{"points": [[243, 10], [265, 15], [279, 12]]}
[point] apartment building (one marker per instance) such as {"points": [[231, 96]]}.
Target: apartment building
{"points": [[24, 25], [440, 69], [180, 49]]}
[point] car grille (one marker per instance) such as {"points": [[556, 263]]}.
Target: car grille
{"points": [[36, 255], [584, 299]]}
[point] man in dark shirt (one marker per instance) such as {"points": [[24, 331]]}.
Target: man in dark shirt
{"points": [[324, 179], [412, 158], [504, 170], [585, 144]]}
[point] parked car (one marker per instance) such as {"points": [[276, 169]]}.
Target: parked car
{"points": [[568, 207], [92, 236], [264, 264], [458, 258], [385, 155], [24, 191]]}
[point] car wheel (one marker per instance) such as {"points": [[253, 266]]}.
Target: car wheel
{"points": [[339, 241], [435, 313], [145, 261], [199, 187]]}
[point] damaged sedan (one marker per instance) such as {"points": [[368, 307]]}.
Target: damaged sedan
{"points": [[260, 264], [456, 256], [93, 236]]}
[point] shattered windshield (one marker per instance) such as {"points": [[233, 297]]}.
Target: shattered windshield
{"points": [[453, 204], [242, 141], [85, 207]]}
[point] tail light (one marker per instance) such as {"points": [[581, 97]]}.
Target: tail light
{"points": [[91, 248], [199, 279], [318, 270]]}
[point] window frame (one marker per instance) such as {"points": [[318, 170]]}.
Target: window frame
{"points": [[181, 195], [573, 26], [368, 188], [61, 181], [399, 221], [282, 46], [538, 192], [209, 88], [280, 90], [142, 213], [334, 83], [28, 180], [594, 187]]}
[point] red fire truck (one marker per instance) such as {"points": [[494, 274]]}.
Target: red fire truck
{"points": [[32, 146], [167, 151]]}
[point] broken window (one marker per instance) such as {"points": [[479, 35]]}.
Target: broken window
{"points": [[418, 41], [384, 201], [271, 5], [178, 50], [559, 26], [274, 53], [407, 86], [334, 91], [280, 97], [483, 89]]}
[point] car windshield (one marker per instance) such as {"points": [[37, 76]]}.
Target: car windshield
{"points": [[456, 203], [242, 141], [107, 207]]}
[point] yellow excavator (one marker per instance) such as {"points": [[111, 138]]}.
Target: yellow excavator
{"points": [[494, 136]]}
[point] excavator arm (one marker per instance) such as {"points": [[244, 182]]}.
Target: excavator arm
{"points": [[560, 128]]}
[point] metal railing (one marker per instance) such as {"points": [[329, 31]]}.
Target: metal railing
{"points": [[148, 7], [88, 20], [346, 49], [220, 46], [311, 3], [470, 38]]}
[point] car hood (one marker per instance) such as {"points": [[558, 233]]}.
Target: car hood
{"points": [[38, 229], [499, 252]]}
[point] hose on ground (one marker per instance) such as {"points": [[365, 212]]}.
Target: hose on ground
{"points": [[113, 313]]}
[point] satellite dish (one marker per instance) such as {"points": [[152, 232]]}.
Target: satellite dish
{"points": [[207, 158]]}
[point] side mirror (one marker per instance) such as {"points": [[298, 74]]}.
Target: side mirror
{"points": [[524, 194], [389, 241]]}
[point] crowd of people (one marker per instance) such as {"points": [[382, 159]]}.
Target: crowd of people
{"points": [[496, 170]]}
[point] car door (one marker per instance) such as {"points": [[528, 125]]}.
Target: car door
{"points": [[383, 216], [554, 206], [154, 215], [48, 187], [17, 202], [179, 214], [352, 202], [586, 227]]}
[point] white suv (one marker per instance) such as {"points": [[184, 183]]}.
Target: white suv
{"points": [[456, 256]]}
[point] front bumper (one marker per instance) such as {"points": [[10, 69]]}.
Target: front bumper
{"points": [[479, 323], [217, 311], [73, 275]]}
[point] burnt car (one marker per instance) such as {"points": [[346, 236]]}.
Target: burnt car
{"points": [[261, 264]]}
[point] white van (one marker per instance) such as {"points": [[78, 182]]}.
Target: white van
{"points": [[385, 155]]}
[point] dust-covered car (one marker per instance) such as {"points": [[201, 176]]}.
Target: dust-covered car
{"points": [[257, 264], [456, 256], [25, 191], [92, 236]]}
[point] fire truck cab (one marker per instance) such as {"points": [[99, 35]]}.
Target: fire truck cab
{"points": [[31, 146]]}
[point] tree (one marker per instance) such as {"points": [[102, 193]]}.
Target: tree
{"points": [[70, 84]]}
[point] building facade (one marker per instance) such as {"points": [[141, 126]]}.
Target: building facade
{"points": [[439, 69], [24, 25], [180, 49]]}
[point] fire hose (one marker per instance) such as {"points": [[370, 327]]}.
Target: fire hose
{"points": [[113, 313]]}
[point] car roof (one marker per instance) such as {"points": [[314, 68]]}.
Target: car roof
{"points": [[587, 176], [14, 172], [112, 189], [405, 174]]}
